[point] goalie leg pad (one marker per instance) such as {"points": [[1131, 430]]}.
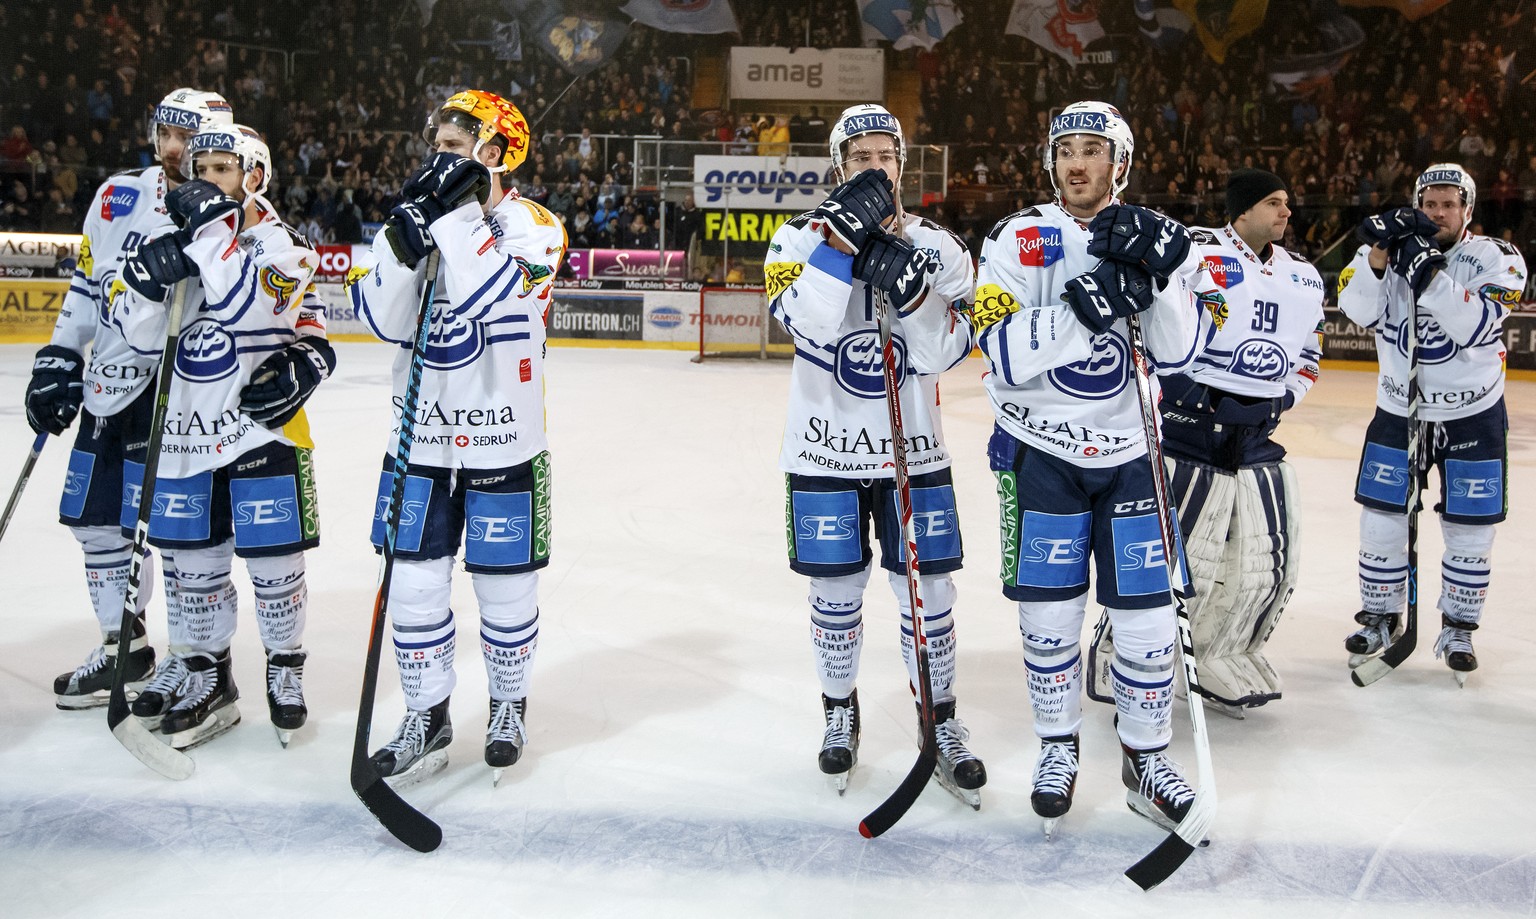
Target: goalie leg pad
{"points": [[509, 630], [282, 599], [206, 599], [1053, 659], [837, 630], [107, 555], [1465, 569], [1383, 561], [938, 593], [1142, 671], [421, 626]]}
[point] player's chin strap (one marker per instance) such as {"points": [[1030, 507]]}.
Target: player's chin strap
{"points": [[501, 165]]}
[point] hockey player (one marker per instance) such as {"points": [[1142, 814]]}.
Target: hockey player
{"points": [[480, 468], [1056, 284], [1426, 262], [114, 387], [235, 474], [1234, 490], [824, 272]]}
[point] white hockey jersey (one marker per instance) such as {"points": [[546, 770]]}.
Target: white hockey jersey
{"points": [[1461, 322], [838, 424], [1268, 316], [252, 296], [481, 402], [128, 209], [1053, 383]]}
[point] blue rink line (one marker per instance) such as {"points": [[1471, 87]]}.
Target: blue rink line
{"points": [[609, 841]]}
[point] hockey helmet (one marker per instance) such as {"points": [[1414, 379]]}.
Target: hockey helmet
{"points": [[864, 119], [191, 110], [245, 144], [1103, 120], [488, 118], [1446, 174]]}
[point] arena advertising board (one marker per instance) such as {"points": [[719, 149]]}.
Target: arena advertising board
{"points": [[740, 233], [626, 264], [38, 255], [768, 183], [836, 75], [604, 316]]}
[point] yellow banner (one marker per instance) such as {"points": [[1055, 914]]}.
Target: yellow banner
{"points": [[1220, 23], [1411, 9], [29, 308]]}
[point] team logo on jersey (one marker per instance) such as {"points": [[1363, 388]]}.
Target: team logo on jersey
{"points": [[205, 352], [1039, 247], [1260, 359], [453, 343], [118, 202], [1225, 270], [859, 367], [85, 262], [778, 276], [1102, 376], [279, 287], [1503, 296], [1216, 305], [1435, 347], [1345, 277]]}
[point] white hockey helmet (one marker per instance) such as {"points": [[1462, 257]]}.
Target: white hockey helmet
{"points": [[1446, 174], [190, 109], [865, 119], [1103, 120], [245, 144]]}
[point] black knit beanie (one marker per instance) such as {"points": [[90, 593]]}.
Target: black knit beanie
{"points": [[1247, 187]]}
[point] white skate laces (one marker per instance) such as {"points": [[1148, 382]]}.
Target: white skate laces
{"points": [[198, 686], [1057, 768], [410, 741], [96, 660], [284, 685], [168, 677], [506, 724], [952, 736], [1376, 632], [1162, 783], [839, 728], [1453, 640]]}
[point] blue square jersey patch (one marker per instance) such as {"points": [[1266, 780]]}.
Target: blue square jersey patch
{"points": [[1384, 475], [77, 484], [827, 527], [498, 529], [935, 522], [266, 511], [1053, 550], [1474, 488], [1141, 568], [413, 512]]}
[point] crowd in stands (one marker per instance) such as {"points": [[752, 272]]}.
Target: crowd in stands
{"points": [[340, 88]]}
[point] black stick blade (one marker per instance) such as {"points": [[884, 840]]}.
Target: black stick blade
{"points": [[1375, 668], [403, 821], [1160, 864], [901, 800]]}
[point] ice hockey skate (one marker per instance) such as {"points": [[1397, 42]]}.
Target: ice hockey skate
{"points": [[162, 691], [958, 770], [1154, 786], [419, 749], [505, 735], [207, 707], [1455, 645], [90, 684], [840, 743], [1055, 780], [1376, 634], [285, 692]]}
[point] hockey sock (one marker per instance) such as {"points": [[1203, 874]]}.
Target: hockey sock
{"points": [[421, 625], [282, 598], [107, 554], [1383, 561], [206, 599], [509, 630], [1142, 671], [938, 627], [172, 598], [837, 630], [1053, 658], [1465, 570]]}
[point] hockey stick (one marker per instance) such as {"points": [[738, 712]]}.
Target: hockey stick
{"points": [[891, 810], [403, 821], [21, 482], [1369, 671], [150, 750], [1160, 864]]}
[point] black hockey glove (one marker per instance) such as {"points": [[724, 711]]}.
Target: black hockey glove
{"points": [[1139, 236], [195, 204], [285, 381], [451, 179], [57, 387], [1111, 290], [1383, 229], [856, 207], [892, 264], [157, 265], [1417, 260], [407, 230]]}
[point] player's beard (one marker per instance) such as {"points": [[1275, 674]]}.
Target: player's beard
{"points": [[1088, 197]]}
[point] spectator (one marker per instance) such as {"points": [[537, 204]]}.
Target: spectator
{"points": [[638, 235]]}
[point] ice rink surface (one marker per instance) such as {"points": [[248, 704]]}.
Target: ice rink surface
{"points": [[675, 718]]}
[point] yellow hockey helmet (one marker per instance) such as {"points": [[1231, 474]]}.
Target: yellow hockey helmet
{"points": [[489, 119]]}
